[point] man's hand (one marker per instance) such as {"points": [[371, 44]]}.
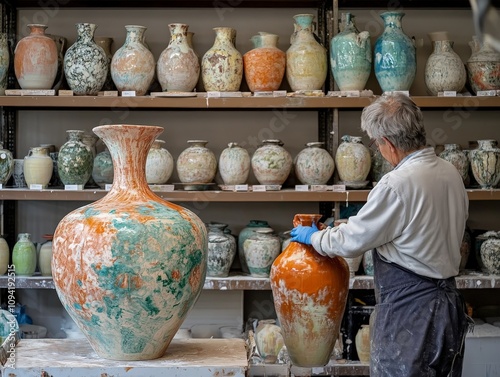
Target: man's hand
{"points": [[303, 233]]}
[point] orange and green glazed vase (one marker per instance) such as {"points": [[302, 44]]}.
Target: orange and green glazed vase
{"points": [[129, 266], [310, 294]]}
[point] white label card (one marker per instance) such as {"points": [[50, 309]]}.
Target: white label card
{"points": [[162, 187], [213, 94], [338, 188], [279, 93], [319, 187], [301, 187], [259, 188], [449, 93], [240, 187], [108, 186], [128, 93], [35, 186], [486, 93], [73, 187]]}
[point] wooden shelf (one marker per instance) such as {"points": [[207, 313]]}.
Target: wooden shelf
{"points": [[202, 103]]}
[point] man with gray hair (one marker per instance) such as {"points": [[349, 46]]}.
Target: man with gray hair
{"points": [[414, 221]]}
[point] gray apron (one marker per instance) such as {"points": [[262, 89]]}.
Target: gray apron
{"points": [[419, 324]]}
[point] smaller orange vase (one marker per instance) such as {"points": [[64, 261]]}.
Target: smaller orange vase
{"points": [[264, 66], [310, 294]]}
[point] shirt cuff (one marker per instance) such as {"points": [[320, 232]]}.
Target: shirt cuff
{"points": [[316, 241]]}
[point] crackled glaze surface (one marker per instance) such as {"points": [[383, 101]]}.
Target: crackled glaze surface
{"points": [[352, 159], [159, 164], [196, 163], [485, 163], [75, 160], [314, 165], [85, 63], [453, 154], [221, 250], [246, 232], [310, 293], [444, 69], [6, 165], [129, 266], [483, 66], [271, 163], [490, 254], [234, 165], [261, 249]]}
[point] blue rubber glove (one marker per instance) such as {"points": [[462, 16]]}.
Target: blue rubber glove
{"points": [[303, 234]]}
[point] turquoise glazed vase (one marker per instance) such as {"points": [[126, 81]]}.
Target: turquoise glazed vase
{"points": [[394, 55], [75, 160], [129, 267], [351, 56]]}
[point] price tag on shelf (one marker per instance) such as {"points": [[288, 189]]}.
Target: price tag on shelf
{"points": [[128, 93], [279, 93], [35, 186], [405, 92], [161, 187], [449, 93], [73, 187], [301, 187], [350, 93], [319, 187], [1, 186], [110, 93], [257, 188], [263, 94], [213, 94], [338, 188], [486, 93], [108, 186], [240, 187], [65, 93]]}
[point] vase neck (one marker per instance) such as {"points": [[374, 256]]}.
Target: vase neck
{"points": [[178, 33], [304, 22], [24, 237], [269, 40], [392, 20], [75, 135], [443, 46], [135, 33], [37, 29], [224, 36], [85, 32], [486, 144], [306, 219], [128, 146]]}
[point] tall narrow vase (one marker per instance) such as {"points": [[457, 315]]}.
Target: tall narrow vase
{"points": [[394, 55], [129, 266], [133, 65], [310, 293], [85, 63]]}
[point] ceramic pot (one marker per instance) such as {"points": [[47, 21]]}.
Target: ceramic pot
{"points": [[75, 160], [133, 65], [61, 45], [350, 56], [6, 165], [159, 164], [35, 59], [24, 255], [105, 43], [261, 249], [306, 59], [4, 62], [483, 66], [45, 256], [102, 169], [453, 154], [222, 64], [352, 160], [265, 64], [269, 340], [178, 68], [310, 293], [314, 165], [490, 253], [85, 63], [246, 232], [221, 250], [4, 256], [131, 253], [362, 341], [394, 55], [234, 165], [379, 166], [271, 163], [38, 167], [196, 163], [485, 163], [444, 69]]}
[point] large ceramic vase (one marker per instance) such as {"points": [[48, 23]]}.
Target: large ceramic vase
{"points": [[483, 66], [265, 64], [394, 55], [485, 163], [234, 165], [6, 165], [178, 67], [310, 293], [314, 165], [129, 266], [306, 59], [444, 69], [196, 163], [159, 164], [4, 62], [271, 163], [133, 65], [350, 56], [222, 64], [75, 160], [85, 63], [352, 159], [453, 154], [35, 59]]}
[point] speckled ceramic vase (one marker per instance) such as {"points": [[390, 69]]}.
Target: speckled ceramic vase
{"points": [[261, 249], [264, 65], [6, 165], [350, 56], [485, 163], [133, 65], [221, 250], [24, 255], [234, 165], [306, 59], [444, 69], [129, 266], [271, 163], [178, 67], [394, 55], [247, 231], [314, 165], [75, 160], [352, 160], [453, 154], [102, 170], [4, 62], [35, 59], [85, 63], [196, 163], [159, 164], [310, 294], [105, 43], [490, 253], [483, 66]]}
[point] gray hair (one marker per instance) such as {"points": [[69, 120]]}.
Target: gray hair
{"points": [[397, 118]]}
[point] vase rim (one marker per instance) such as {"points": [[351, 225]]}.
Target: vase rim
{"points": [[135, 26], [308, 218], [124, 126], [197, 141], [315, 144], [392, 13], [38, 25]]}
